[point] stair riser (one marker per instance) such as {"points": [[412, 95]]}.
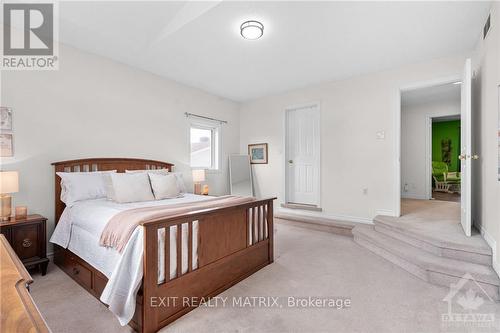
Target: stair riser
{"points": [[436, 278], [476, 258], [456, 271], [339, 230], [407, 266], [446, 280]]}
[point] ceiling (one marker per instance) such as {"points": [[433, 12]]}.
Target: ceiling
{"points": [[444, 93], [304, 43]]}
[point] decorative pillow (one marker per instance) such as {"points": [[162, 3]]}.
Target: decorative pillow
{"points": [[78, 186], [180, 180], [164, 186], [130, 187]]}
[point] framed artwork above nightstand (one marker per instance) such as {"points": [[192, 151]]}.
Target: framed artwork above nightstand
{"points": [[27, 237]]}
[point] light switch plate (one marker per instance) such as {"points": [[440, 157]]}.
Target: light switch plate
{"points": [[381, 135]]}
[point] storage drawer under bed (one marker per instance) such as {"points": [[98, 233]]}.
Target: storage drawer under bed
{"points": [[91, 279]]}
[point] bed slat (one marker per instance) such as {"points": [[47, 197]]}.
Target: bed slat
{"points": [[167, 254], [179, 250], [190, 246], [254, 226]]}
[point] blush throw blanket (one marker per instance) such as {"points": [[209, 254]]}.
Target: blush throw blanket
{"points": [[120, 227]]}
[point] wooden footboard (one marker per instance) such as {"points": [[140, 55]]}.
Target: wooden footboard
{"points": [[232, 243]]}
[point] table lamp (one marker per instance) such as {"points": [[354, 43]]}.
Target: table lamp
{"points": [[9, 183], [198, 177]]}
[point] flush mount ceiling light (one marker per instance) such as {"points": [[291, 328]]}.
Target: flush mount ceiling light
{"points": [[252, 30]]}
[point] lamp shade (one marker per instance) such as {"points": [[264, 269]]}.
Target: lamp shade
{"points": [[9, 182], [198, 176]]}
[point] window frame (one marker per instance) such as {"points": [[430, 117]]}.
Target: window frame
{"points": [[215, 143]]}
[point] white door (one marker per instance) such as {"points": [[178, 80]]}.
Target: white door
{"points": [[466, 149], [303, 155]]}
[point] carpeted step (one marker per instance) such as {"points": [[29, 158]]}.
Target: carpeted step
{"points": [[315, 223], [427, 266], [474, 254]]}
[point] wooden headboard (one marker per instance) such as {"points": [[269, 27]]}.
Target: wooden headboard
{"points": [[100, 164]]}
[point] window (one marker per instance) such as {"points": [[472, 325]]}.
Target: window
{"points": [[204, 144]]}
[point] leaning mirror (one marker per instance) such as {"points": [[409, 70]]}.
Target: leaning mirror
{"points": [[240, 175]]}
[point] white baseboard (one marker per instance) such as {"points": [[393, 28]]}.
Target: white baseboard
{"points": [[337, 217], [493, 244], [414, 196], [385, 212]]}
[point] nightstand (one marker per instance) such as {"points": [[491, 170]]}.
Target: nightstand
{"points": [[28, 239]]}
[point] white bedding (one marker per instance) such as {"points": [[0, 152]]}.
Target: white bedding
{"points": [[80, 228]]}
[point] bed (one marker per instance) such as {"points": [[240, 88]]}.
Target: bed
{"points": [[193, 255]]}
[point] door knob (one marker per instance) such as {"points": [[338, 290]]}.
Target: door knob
{"points": [[290, 161], [462, 157], [475, 157]]}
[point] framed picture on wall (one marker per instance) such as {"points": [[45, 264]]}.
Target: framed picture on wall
{"points": [[258, 153], [6, 145], [5, 119]]}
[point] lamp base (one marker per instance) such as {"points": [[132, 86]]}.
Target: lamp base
{"points": [[197, 188], [5, 207]]}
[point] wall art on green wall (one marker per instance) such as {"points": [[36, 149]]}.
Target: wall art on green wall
{"points": [[446, 143], [446, 151]]}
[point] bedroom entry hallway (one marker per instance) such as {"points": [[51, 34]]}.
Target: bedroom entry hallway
{"points": [[432, 239], [423, 168]]}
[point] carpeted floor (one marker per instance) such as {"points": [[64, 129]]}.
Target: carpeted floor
{"points": [[384, 298]]}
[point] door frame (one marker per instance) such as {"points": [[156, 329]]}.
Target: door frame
{"points": [[397, 126], [428, 158], [316, 104]]}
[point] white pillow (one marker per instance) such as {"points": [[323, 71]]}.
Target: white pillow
{"points": [[130, 187], [78, 186], [164, 186], [180, 180]]}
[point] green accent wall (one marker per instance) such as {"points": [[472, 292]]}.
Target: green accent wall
{"points": [[443, 131]]}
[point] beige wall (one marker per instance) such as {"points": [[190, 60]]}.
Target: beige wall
{"points": [[486, 64], [352, 159], [95, 107]]}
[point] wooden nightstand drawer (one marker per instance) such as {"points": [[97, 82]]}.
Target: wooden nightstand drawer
{"points": [[26, 242], [27, 237]]}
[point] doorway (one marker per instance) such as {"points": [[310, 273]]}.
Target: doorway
{"points": [[464, 208], [430, 141], [302, 155], [446, 165]]}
